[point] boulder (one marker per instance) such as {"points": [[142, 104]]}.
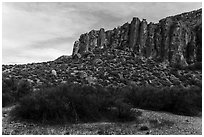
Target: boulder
{"points": [[97, 62], [91, 80], [54, 72]]}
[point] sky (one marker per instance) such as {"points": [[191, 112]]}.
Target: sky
{"points": [[44, 31]]}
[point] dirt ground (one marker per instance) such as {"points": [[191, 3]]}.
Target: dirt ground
{"points": [[149, 122]]}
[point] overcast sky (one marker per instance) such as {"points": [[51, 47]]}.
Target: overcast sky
{"points": [[37, 32]]}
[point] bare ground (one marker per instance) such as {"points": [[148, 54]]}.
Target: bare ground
{"points": [[150, 122]]}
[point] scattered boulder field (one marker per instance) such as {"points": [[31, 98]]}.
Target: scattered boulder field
{"points": [[112, 68]]}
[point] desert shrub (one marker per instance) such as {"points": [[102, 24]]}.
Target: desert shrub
{"points": [[176, 100], [9, 86], [7, 99], [71, 103], [123, 110], [75, 103], [23, 88], [12, 90], [45, 105], [187, 101]]}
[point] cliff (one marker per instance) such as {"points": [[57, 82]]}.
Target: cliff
{"points": [[175, 40], [137, 53]]}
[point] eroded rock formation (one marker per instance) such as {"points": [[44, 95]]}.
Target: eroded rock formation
{"points": [[176, 40]]}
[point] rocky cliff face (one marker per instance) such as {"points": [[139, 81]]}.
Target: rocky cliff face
{"points": [[175, 40], [137, 53]]}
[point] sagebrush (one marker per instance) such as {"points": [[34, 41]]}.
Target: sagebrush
{"points": [[75, 102]]}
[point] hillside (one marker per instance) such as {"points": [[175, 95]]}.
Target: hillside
{"points": [[168, 53]]}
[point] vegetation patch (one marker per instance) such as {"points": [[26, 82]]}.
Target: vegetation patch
{"points": [[73, 103], [176, 100], [13, 90], [87, 103]]}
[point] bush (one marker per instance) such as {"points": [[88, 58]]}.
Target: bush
{"points": [[77, 103], [7, 99], [9, 86], [176, 100], [70, 103], [12, 90], [23, 88]]}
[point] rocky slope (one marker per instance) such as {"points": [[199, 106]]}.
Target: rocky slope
{"points": [[138, 54]]}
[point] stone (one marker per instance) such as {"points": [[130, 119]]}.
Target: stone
{"points": [[91, 80], [199, 42], [82, 74], [76, 56], [142, 37], [30, 81], [175, 80], [191, 49], [147, 133], [178, 44], [121, 76], [63, 82], [67, 133], [75, 48], [84, 43], [6, 71], [115, 37], [93, 39], [134, 34], [165, 31], [158, 41], [101, 39], [124, 37], [54, 72], [109, 34], [98, 62], [150, 43]]}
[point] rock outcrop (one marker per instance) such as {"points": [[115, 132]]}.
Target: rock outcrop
{"points": [[175, 40], [134, 33], [138, 54]]}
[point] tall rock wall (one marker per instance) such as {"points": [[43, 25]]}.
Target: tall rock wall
{"points": [[176, 40], [134, 34]]}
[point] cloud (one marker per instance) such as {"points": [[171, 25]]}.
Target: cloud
{"points": [[26, 29], [31, 56], [43, 31], [51, 43]]}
